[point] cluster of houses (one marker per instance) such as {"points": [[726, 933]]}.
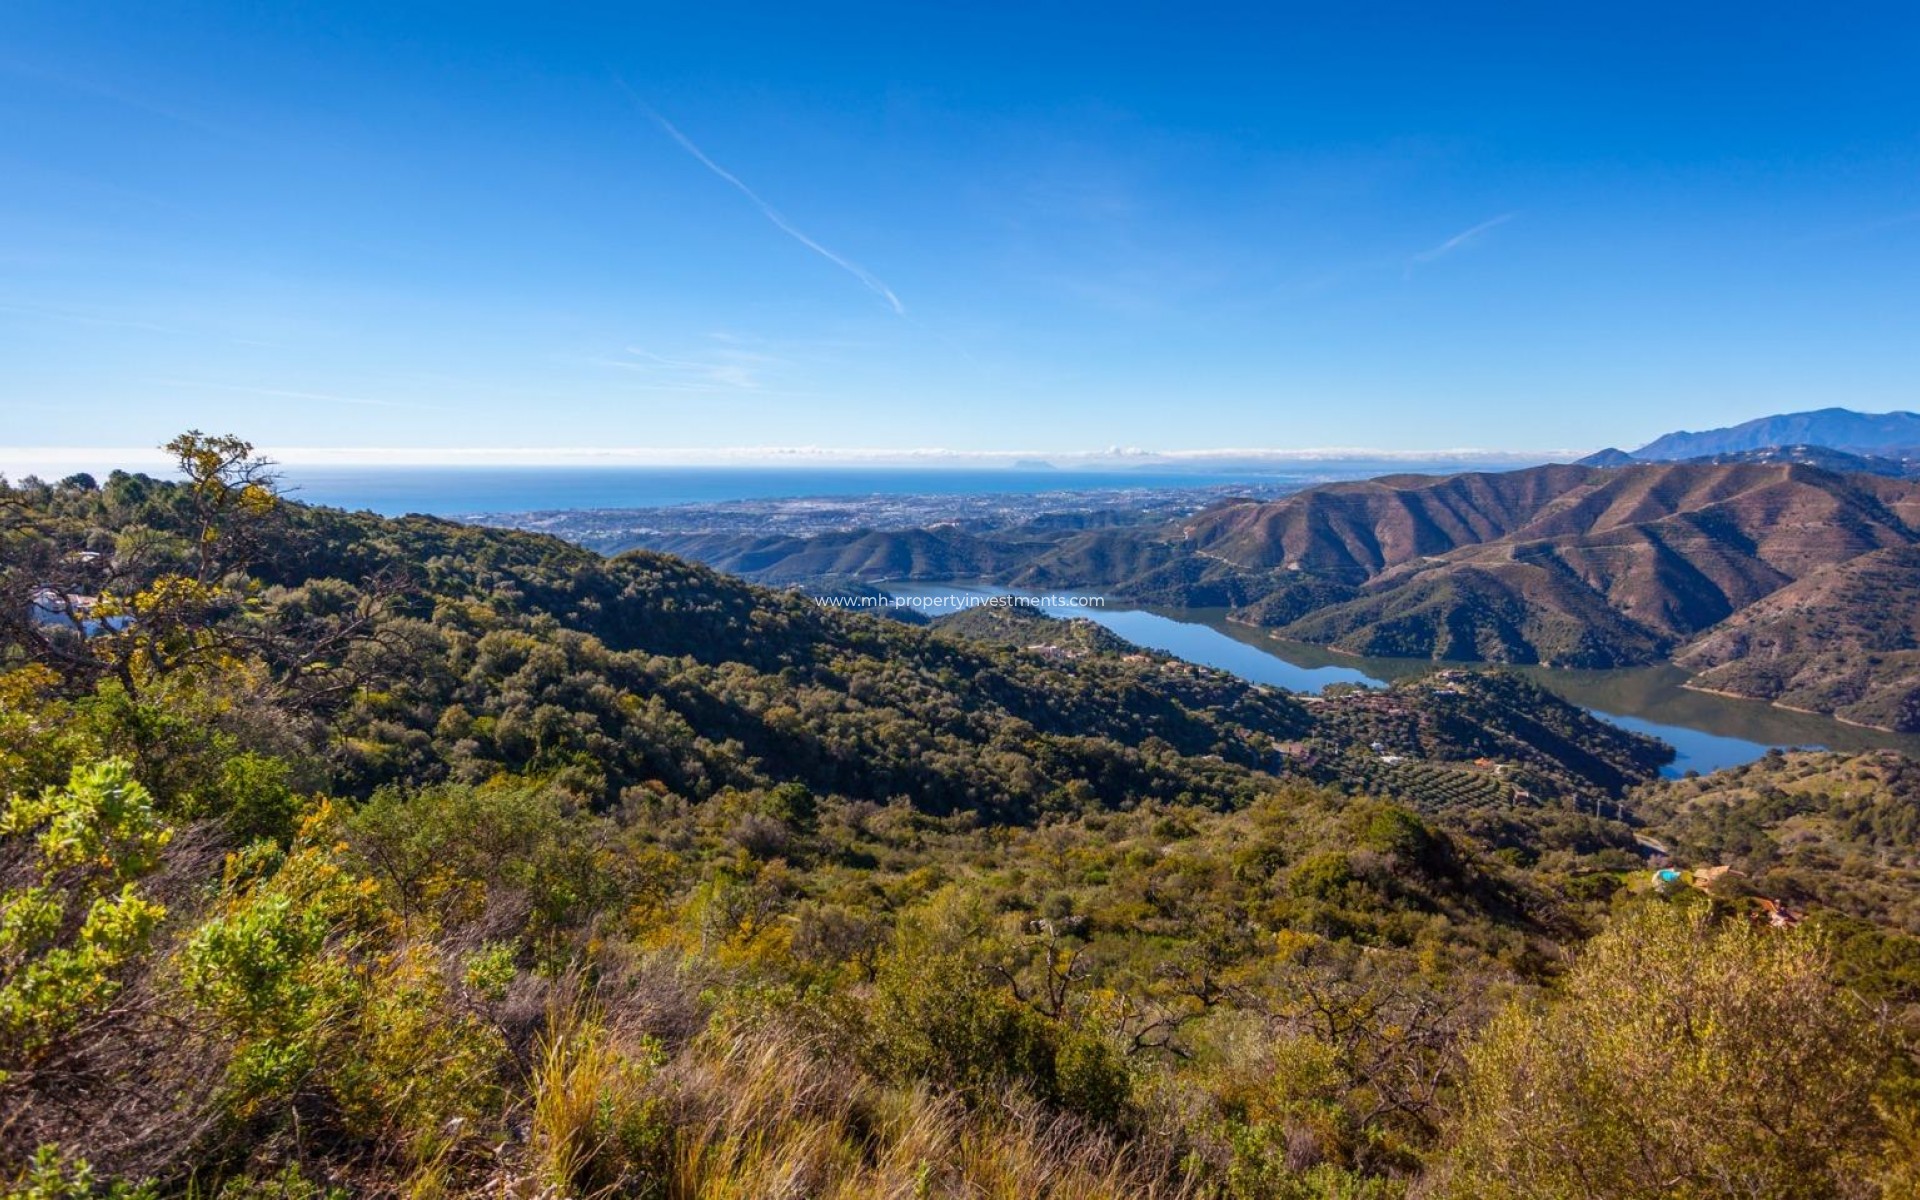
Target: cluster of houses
{"points": [[1053, 653]]}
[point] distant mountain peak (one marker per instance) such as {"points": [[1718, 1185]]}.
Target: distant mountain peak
{"points": [[1832, 428], [1612, 456]]}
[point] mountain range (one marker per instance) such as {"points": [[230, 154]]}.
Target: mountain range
{"points": [[1775, 580]]}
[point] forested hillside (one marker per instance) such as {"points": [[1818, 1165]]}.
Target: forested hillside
{"points": [[343, 855]]}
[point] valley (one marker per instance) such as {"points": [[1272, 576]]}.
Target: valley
{"points": [[1772, 581], [1708, 731]]}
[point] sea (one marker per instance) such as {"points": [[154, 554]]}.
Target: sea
{"points": [[464, 490]]}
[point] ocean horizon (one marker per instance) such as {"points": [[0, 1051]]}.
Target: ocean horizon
{"points": [[458, 491]]}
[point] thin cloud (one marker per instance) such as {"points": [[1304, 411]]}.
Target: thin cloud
{"points": [[737, 370], [1458, 241], [867, 278]]}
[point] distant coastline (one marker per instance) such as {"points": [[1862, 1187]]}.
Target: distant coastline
{"points": [[464, 491]]}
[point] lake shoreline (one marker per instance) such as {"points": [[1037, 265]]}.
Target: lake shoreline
{"points": [[1794, 708]]}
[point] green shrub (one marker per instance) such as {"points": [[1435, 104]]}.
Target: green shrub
{"points": [[1091, 1076], [1398, 832], [490, 970], [1688, 1059], [944, 1019], [289, 1184], [91, 841], [1322, 876], [279, 964], [417, 1072]]}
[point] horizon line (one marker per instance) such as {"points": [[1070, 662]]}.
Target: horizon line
{"points": [[22, 460]]}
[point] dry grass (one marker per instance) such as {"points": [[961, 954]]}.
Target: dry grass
{"points": [[587, 1096], [761, 1117], [762, 1113]]}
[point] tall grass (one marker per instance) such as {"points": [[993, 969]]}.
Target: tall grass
{"points": [[763, 1116], [593, 1129]]}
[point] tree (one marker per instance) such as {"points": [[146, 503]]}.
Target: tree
{"points": [[231, 491], [136, 603]]}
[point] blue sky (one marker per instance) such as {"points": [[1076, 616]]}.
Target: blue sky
{"points": [[1035, 226]]}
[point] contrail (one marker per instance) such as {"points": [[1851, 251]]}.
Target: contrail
{"points": [[771, 213], [1457, 241]]}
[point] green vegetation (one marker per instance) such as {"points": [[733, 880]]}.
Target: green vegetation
{"points": [[1023, 626], [403, 858], [1688, 1059], [1838, 831]]}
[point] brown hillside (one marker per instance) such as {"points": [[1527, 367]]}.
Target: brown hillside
{"points": [[1573, 565], [1361, 529], [1788, 516], [1846, 640]]}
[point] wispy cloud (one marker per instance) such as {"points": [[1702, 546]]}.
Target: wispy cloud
{"points": [[1457, 242], [772, 214], [731, 370]]}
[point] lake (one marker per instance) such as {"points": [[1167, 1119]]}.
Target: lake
{"points": [[1707, 732]]}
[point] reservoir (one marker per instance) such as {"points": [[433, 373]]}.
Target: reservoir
{"points": [[1707, 732]]}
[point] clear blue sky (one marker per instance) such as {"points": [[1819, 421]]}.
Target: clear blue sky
{"points": [[956, 224]]}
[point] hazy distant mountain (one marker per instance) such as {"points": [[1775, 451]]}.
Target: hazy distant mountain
{"points": [[862, 554], [1838, 428], [1612, 456], [1895, 461]]}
